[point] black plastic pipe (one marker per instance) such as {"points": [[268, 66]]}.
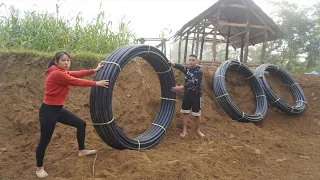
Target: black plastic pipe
{"points": [[273, 99], [224, 100], [101, 98]]}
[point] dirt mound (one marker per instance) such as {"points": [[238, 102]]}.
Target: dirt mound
{"points": [[279, 147]]}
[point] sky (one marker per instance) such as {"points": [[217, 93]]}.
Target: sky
{"points": [[148, 17]]}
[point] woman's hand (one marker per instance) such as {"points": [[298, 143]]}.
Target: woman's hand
{"points": [[100, 65], [103, 83]]}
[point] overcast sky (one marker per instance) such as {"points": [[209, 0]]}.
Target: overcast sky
{"points": [[148, 17]]}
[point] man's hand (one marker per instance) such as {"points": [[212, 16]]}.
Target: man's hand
{"points": [[103, 83], [177, 88], [100, 65], [171, 63]]}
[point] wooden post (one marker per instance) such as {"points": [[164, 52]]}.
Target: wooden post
{"points": [[192, 47], [179, 50], [214, 42], [186, 48], [197, 42], [164, 47], [202, 43], [227, 45], [246, 52], [214, 45], [241, 51], [264, 46]]}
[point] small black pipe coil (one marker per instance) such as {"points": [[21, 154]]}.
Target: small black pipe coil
{"points": [[224, 100], [285, 77]]}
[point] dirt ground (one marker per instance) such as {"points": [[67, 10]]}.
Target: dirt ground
{"points": [[280, 147]]}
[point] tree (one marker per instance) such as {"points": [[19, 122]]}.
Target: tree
{"points": [[299, 42]]}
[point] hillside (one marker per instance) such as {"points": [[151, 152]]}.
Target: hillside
{"points": [[279, 147]]}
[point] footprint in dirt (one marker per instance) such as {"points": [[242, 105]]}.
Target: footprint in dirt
{"points": [[317, 121]]}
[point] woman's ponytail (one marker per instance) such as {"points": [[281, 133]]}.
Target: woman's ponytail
{"points": [[52, 62]]}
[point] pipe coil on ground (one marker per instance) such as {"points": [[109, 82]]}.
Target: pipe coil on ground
{"points": [[285, 77], [101, 98], [224, 100]]}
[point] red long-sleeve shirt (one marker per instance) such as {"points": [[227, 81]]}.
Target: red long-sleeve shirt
{"points": [[58, 83]]}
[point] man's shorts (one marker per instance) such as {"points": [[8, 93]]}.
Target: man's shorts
{"points": [[191, 103]]}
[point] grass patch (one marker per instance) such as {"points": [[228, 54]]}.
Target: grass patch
{"points": [[79, 60]]}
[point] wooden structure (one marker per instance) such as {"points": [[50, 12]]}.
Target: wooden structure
{"points": [[161, 45], [241, 23]]}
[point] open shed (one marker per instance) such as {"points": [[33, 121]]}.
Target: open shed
{"points": [[241, 23]]}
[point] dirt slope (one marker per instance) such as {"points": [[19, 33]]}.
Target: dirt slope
{"points": [[280, 147]]}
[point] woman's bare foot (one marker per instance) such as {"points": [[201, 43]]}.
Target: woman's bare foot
{"points": [[41, 173], [87, 152], [183, 134], [200, 133]]}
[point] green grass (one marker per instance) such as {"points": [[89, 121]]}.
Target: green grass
{"points": [[44, 32], [80, 60]]}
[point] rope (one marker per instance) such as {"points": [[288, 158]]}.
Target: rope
{"points": [[160, 127], [115, 64], [219, 76], [93, 165], [293, 84], [250, 76], [105, 123], [164, 71], [168, 99], [302, 101], [148, 51], [275, 101], [241, 117], [138, 144], [222, 96]]}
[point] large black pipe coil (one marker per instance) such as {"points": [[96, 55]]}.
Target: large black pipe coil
{"points": [[101, 98], [224, 99], [285, 77]]}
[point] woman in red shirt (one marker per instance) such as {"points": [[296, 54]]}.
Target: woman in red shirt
{"points": [[57, 85]]}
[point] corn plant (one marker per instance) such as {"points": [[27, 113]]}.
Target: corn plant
{"points": [[44, 32]]}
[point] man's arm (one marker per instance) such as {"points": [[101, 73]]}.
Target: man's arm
{"points": [[178, 66], [177, 88]]}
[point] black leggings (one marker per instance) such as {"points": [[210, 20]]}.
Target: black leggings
{"points": [[49, 115]]}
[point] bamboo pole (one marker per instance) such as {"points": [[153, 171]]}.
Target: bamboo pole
{"points": [[264, 46], [192, 47], [214, 42], [186, 48], [246, 52], [202, 43], [241, 50], [197, 40], [179, 50], [227, 45], [164, 47]]}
